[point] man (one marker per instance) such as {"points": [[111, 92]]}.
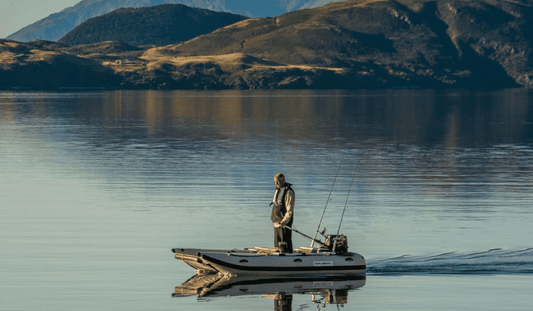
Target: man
{"points": [[283, 213]]}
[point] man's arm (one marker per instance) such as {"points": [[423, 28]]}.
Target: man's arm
{"points": [[289, 204], [275, 196]]}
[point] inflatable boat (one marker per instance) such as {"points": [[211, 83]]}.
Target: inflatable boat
{"points": [[330, 259]]}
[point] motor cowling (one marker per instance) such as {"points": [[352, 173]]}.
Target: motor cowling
{"points": [[340, 247]]}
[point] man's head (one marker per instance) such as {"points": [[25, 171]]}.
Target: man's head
{"points": [[279, 180]]}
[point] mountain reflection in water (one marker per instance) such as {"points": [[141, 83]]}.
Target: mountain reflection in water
{"points": [[322, 291]]}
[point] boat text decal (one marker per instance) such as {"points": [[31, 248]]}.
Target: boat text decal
{"points": [[322, 263]]}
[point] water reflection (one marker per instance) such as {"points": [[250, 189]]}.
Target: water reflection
{"points": [[322, 291], [88, 178], [438, 141], [425, 118]]}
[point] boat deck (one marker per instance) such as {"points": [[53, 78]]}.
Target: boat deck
{"points": [[257, 250]]}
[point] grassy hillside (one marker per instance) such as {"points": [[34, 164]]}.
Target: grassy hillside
{"points": [[57, 25], [344, 45], [157, 25], [444, 41], [45, 65]]}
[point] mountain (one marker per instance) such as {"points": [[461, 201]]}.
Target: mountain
{"points": [[55, 26], [425, 42], [271, 7], [344, 45], [158, 25], [45, 65]]}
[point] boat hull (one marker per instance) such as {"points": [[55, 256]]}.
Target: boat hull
{"points": [[252, 262]]}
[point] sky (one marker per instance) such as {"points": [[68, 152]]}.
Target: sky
{"points": [[15, 14]]}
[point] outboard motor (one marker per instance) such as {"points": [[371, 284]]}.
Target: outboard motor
{"points": [[341, 246]]}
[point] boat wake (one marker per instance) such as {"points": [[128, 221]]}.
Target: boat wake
{"points": [[494, 261]]}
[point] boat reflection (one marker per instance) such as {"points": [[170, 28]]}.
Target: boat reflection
{"points": [[322, 290]]}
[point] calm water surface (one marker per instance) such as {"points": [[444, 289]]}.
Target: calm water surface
{"points": [[97, 187]]}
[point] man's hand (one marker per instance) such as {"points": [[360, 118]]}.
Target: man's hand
{"points": [[277, 225]]}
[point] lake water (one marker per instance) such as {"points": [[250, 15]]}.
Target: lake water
{"points": [[96, 188]]}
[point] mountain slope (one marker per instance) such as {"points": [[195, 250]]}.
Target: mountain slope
{"points": [[158, 25], [56, 26], [345, 45], [45, 65], [416, 40]]}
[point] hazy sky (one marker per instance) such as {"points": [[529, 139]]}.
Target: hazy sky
{"points": [[15, 14]]}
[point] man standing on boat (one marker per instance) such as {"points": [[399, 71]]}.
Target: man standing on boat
{"points": [[283, 213]]}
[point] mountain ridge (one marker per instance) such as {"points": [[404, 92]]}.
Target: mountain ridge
{"points": [[57, 25], [486, 44], [157, 25]]}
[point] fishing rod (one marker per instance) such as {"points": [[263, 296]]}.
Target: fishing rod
{"points": [[330, 192], [348, 196], [305, 235]]}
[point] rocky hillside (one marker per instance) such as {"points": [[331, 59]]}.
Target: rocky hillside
{"points": [[157, 25], [417, 41], [56, 26], [343, 45]]}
